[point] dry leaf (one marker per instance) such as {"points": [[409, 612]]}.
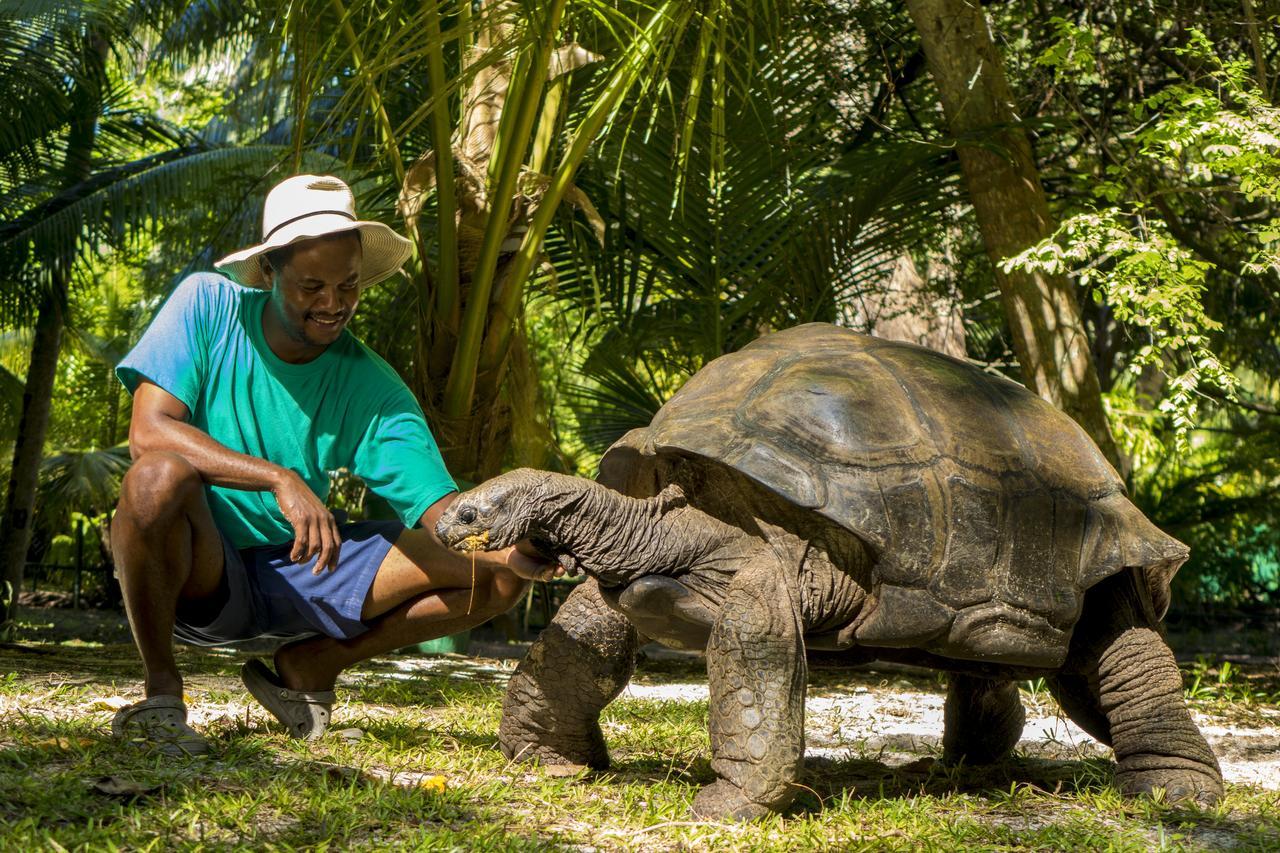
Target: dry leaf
{"points": [[562, 770], [580, 200], [571, 57], [349, 734], [418, 182], [109, 703], [118, 786]]}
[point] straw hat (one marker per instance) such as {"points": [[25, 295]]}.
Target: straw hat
{"points": [[307, 206]]}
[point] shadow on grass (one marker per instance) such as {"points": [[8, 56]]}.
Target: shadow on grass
{"points": [[66, 783], [110, 662], [825, 781]]}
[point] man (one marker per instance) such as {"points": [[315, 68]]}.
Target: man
{"points": [[245, 395]]}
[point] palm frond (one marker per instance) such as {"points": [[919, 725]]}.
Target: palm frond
{"points": [[612, 398], [116, 205], [81, 480]]}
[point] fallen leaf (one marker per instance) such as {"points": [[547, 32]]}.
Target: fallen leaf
{"points": [[109, 703], [435, 784], [562, 770], [118, 786], [349, 734]]}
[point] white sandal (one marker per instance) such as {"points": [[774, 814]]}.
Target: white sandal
{"points": [[305, 713], [160, 723]]}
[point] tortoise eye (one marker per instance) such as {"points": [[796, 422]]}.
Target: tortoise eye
{"points": [[467, 515]]}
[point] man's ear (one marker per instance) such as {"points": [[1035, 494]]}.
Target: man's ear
{"points": [[268, 272]]}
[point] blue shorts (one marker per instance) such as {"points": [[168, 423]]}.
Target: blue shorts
{"points": [[269, 595]]}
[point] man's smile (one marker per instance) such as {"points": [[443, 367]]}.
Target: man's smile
{"points": [[327, 322]]}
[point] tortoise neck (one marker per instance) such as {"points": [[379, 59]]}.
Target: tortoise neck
{"points": [[617, 539]]}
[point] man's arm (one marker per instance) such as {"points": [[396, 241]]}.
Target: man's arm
{"points": [[522, 558], [161, 422]]}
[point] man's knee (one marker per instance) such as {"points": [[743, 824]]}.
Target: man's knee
{"points": [[157, 486], [503, 591]]}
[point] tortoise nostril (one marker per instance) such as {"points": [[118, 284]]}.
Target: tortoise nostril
{"points": [[467, 515]]}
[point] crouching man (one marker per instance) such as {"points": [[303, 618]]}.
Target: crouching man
{"points": [[246, 393]]}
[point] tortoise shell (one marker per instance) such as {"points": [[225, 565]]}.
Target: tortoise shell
{"points": [[987, 511]]}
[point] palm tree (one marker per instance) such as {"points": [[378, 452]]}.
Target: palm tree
{"points": [[81, 167], [712, 243], [509, 112]]}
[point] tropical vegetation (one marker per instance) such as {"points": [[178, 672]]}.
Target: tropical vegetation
{"points": [[606, 194]]}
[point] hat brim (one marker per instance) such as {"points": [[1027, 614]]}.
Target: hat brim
{"points": [[384, 251]]}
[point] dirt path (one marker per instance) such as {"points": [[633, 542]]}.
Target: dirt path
{"points": [[899, 726]]}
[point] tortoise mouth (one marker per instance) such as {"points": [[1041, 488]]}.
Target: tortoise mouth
{"points": [[463, 537]]}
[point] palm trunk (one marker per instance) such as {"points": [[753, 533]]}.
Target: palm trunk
{"points": [[1012, 212], [28, 451], [506, 122]]}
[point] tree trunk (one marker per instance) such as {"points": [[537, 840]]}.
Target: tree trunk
{"points": [[28, 451], [1012, 212], [37, 399], [903, 308]]}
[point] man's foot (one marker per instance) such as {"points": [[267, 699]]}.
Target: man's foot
{"points": [[161, 724], [304, 713], [306, 664]]}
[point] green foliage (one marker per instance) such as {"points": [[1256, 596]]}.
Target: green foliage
{"points": [[755, 165], [1153, 285], [1219, 130]]}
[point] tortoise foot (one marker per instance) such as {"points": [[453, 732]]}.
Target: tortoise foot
{"points": [[585, 747], [723, 800], [1188, 785]]}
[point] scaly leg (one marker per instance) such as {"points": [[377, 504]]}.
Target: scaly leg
{"points": [[578, 665], [1118, 654], [983, 720], [756, 667]]}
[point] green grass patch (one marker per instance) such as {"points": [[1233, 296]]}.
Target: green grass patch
{"points": [[411, 762]]}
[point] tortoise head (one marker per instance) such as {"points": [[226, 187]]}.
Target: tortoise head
{"points": [[497, 513]]}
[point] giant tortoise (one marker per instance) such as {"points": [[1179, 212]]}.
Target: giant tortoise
{"points": [[821, 489]]}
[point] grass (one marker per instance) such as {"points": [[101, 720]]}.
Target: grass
{"points": [[412, 763]]}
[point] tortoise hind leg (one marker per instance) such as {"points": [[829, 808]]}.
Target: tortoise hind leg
{"points": [[983, 720], [1137, 688], [756, 669], [1079, 701], [577, 666]]}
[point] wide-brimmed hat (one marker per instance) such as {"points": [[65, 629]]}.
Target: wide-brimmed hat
{"points": [[307, 206]]}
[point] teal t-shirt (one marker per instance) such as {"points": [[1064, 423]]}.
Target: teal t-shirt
{"points": [[347, 408]]}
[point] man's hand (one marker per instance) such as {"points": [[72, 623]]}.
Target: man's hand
{"points": [[525, 561], [314, 528]]}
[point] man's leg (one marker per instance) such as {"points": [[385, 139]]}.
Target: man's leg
{"points": [[169, 556], [417, 595]]}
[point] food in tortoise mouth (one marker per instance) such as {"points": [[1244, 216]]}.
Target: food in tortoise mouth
{"points": [[475, 542]]}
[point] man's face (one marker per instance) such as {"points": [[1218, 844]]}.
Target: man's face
{"points": [[316, 291]]}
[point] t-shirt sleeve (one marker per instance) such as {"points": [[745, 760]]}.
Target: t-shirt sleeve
{"points": [[173, 351], [399, 459]]}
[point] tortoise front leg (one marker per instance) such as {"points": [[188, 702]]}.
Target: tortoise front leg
{"points": [[579, 664], [756, 669], [1135, 691]]}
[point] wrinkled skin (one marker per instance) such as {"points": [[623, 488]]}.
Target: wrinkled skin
{"points": [[755, 596]]}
